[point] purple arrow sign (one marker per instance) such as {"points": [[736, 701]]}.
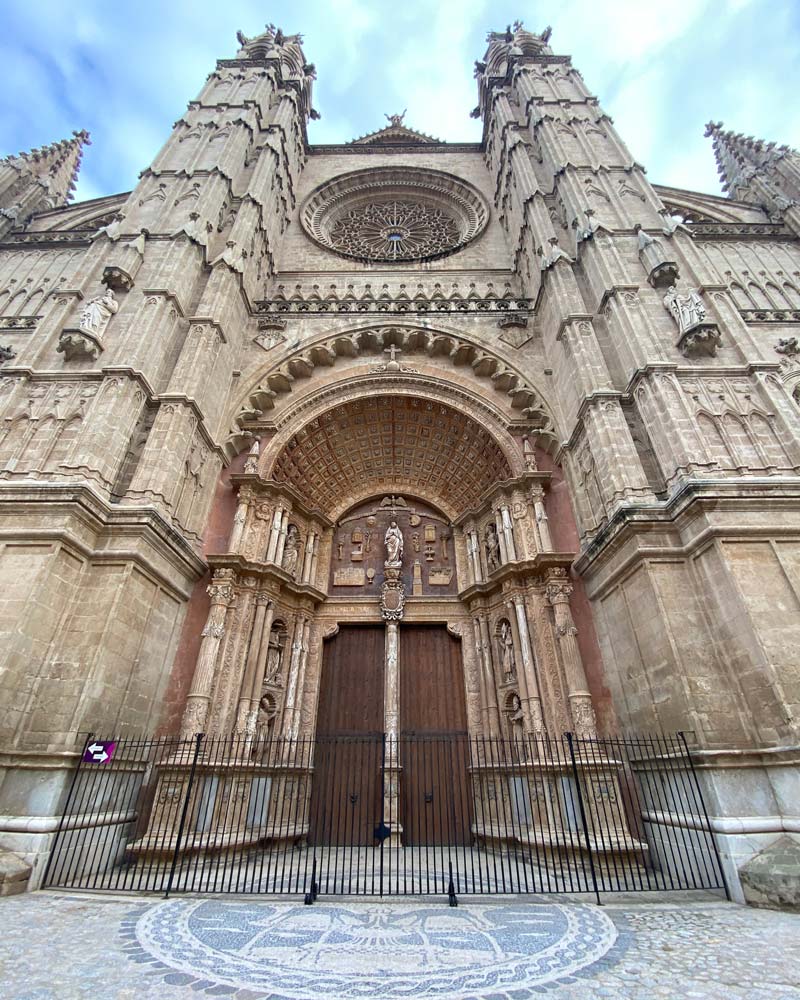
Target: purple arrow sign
{"points": [[99, 752]]}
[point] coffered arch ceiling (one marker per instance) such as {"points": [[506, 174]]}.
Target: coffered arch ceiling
{"points": [[504, 383], [391, 444]]}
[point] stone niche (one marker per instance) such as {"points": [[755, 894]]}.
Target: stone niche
{"points": [[429, 566]]}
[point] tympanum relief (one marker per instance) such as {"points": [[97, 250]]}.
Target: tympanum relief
{"points": [[397, 530]]}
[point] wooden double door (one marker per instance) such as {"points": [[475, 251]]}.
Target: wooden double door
{"points": [[434, 803]]}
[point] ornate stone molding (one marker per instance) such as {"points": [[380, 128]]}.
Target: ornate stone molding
{"points": [[313, 303], [770, 315]]}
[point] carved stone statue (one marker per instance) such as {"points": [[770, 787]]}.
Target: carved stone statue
{"points": [[687, 310], [396, 120], [291, 550], [393, 539], [272, 673], [506, 639], [515, 717], [529, 455], [251, 464], [97, 312], [491, 545]]}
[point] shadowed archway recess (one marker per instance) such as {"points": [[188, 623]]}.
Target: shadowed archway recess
{"points": [[392, 443]]}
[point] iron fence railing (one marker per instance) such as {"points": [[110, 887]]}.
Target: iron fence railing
{"points": [[367, 814]]}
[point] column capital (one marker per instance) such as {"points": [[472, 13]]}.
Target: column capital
{"points": [[263, 600], [220, 590], [559, 587]]}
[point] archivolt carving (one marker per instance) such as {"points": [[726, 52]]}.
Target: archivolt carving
{"points": [[447, 347], [391, 443]]}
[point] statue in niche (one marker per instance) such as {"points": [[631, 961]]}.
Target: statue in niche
{"points": [[491, 545], [291, 551], [267, 712], [97, 312], [515, 717], [272, 673], [506, 639], [393, 539], [688, 310], [528, 454], [251, 463]]}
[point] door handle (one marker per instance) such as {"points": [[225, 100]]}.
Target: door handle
{"points": [[353, 798], [428, 797]]}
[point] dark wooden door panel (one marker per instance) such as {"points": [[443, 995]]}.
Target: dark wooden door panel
{"points": [[432, 698], [346, 801], [351, 688], [436, 805]]}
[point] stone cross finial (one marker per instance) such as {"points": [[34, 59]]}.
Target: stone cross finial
{"points": [[393, 364]]}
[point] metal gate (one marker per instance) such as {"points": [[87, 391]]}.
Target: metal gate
{"points": [[442, 815]]}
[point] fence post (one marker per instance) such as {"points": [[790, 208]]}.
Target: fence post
{"points": [[198, 741], [51, 855], [583, 815], [705, 815]]}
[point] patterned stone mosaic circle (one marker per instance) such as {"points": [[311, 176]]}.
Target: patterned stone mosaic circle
{"points": [[376, 950]]}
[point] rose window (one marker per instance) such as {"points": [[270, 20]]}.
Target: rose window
{"points": [[394, 214], [394, 230]]}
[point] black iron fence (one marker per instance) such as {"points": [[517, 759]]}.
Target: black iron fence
{"points": [[433, 814]]}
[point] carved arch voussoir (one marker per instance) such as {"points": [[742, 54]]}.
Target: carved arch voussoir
{"points": [[372, 341]]}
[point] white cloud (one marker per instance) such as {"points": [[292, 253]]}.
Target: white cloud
{"points": [[127, 71]]}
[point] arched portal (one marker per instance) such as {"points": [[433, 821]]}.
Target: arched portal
{"points": [[390, 576]]}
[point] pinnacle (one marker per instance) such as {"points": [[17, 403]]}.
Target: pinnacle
{"points": [[56, 163]]}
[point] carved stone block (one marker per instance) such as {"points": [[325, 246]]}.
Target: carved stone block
{"points": [[349, 576], [118, 278], [78, 345], [440, 577], [701, 341]]}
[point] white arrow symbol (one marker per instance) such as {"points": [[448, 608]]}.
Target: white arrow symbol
{"points": [[98, 752]]}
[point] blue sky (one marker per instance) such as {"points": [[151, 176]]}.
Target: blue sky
{"points": [[125, 71]]}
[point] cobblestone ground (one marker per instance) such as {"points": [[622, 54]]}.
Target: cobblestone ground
{"points": [[65, 946]]}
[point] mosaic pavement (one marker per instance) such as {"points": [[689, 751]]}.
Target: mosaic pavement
{"points": [[63, 946]]}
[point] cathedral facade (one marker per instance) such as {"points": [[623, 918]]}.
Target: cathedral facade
{"points": [[402, 436]]}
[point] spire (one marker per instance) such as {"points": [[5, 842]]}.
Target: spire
{"points": [[739, 157], [39, 180]]}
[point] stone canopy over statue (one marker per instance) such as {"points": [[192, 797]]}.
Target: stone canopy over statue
{"points": [[393, 539]]}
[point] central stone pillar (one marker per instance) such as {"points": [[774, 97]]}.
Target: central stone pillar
{"points": [[393, 600]]}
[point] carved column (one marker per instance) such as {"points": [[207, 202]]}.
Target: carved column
{"points": [[486, 725], [495, 728], [220, 591], [312, 572], [501, 536], [239, 521], [559, 590], [310, 537], [294, 728], [294, 665], [534, 699], [508, 533], [251, 666], [282, 538], [274, 533], [391, 686], [261, 669]]}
